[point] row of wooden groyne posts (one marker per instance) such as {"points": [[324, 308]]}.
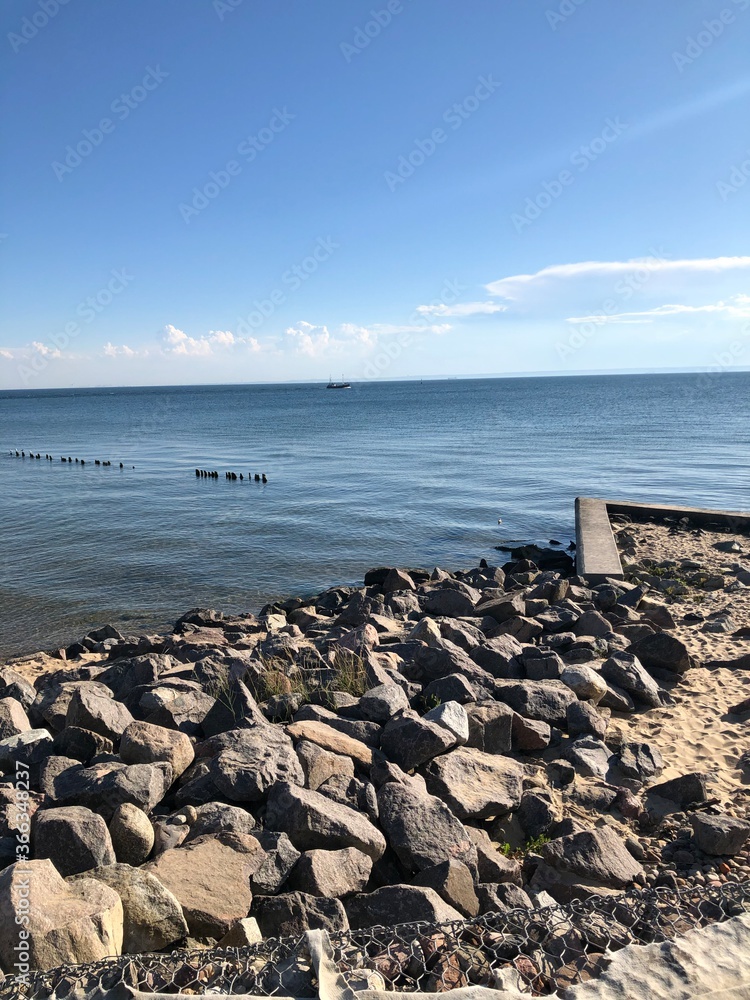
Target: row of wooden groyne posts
{"points": [[200, 473], [49, 458], [259, 478]]}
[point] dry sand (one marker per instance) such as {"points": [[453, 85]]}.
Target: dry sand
{"points": [[697, 733]]}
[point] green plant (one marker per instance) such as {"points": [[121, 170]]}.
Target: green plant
{"points": [[531, 846]]}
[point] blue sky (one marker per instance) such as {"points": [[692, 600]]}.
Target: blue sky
{"points": [[251, 190]]}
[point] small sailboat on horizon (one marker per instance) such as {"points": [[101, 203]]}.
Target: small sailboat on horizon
{"points": [[338, 385]]}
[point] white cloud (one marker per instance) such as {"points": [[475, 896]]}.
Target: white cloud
{"points": [[122, 351], [179, 343], [311, 340], [5, 354], [514, 286], [42, 349], [740, 309], [462, 309]]}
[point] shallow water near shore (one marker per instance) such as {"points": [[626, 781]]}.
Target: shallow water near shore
{"points": [[407, 473]]}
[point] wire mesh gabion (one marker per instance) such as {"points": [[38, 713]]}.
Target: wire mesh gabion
{"points": [[542, 950]]}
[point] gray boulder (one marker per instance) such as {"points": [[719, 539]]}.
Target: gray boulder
{"points": [[475, 784], [313, 821], [319, 765], [90, 709], [381, 703], [210, 878], [13, 718], [500, 656], [582, 719], [453, 600], [662, 651], [684, 790], [490, 725], [600, 855], [74, 838], [280, 858], [295, 913], [68, 922], [421, 829], [451, 716], [132, 834], [254, 762], [143, 743], [410, 741], [543, 701], [152, 916], [452, 881], [405, 903], [625, 670], [331, 873], [719, 835], [105, 786]]}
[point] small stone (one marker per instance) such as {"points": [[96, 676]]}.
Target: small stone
{"points": [[132, 834]]}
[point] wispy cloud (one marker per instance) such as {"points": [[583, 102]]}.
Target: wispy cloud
{"points": [[514, 286], [462, 309], [738, 308]]}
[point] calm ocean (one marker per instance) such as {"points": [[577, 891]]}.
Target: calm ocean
{"points": [[406, 473]]}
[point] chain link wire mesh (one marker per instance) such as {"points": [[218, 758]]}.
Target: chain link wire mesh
{"points": [[541, 950]]}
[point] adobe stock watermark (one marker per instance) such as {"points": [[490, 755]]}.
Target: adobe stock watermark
{"points": [[624, 289], [564, 12], [21, 824], [455, 116], [86, 312], [248, 149], [122, 107], [31, 26], [582, 159], [224, 7], [291, 280], [710, 31], [402, 341], [366, 33], [738, 178]]}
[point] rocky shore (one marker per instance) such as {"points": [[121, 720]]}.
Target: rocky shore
{"points": [[428, 746]]}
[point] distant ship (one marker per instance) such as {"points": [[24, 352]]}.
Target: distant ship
{"points": [[338, 385]]}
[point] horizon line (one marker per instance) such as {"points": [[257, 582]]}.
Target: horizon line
{"points": [[492, 376]]}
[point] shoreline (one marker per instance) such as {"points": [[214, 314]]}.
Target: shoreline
{"points": [[433, 745]]}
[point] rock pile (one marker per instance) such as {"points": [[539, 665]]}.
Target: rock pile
{"points": [[425, 747]]}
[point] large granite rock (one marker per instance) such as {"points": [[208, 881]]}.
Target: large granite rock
{"points": [[421, 829], [662, 651], [410, 741], [143, 743], [594, 857], [624, 670], [13, 718], [476, 785], [313, 821], [256, 760], [210, 878], [720, 835], [66, 923], [74, 838], [106, 786], [398, 904], [542, 701], [132, 834], [331, 873], [294, 913], [89, 708], [152, 916]]}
